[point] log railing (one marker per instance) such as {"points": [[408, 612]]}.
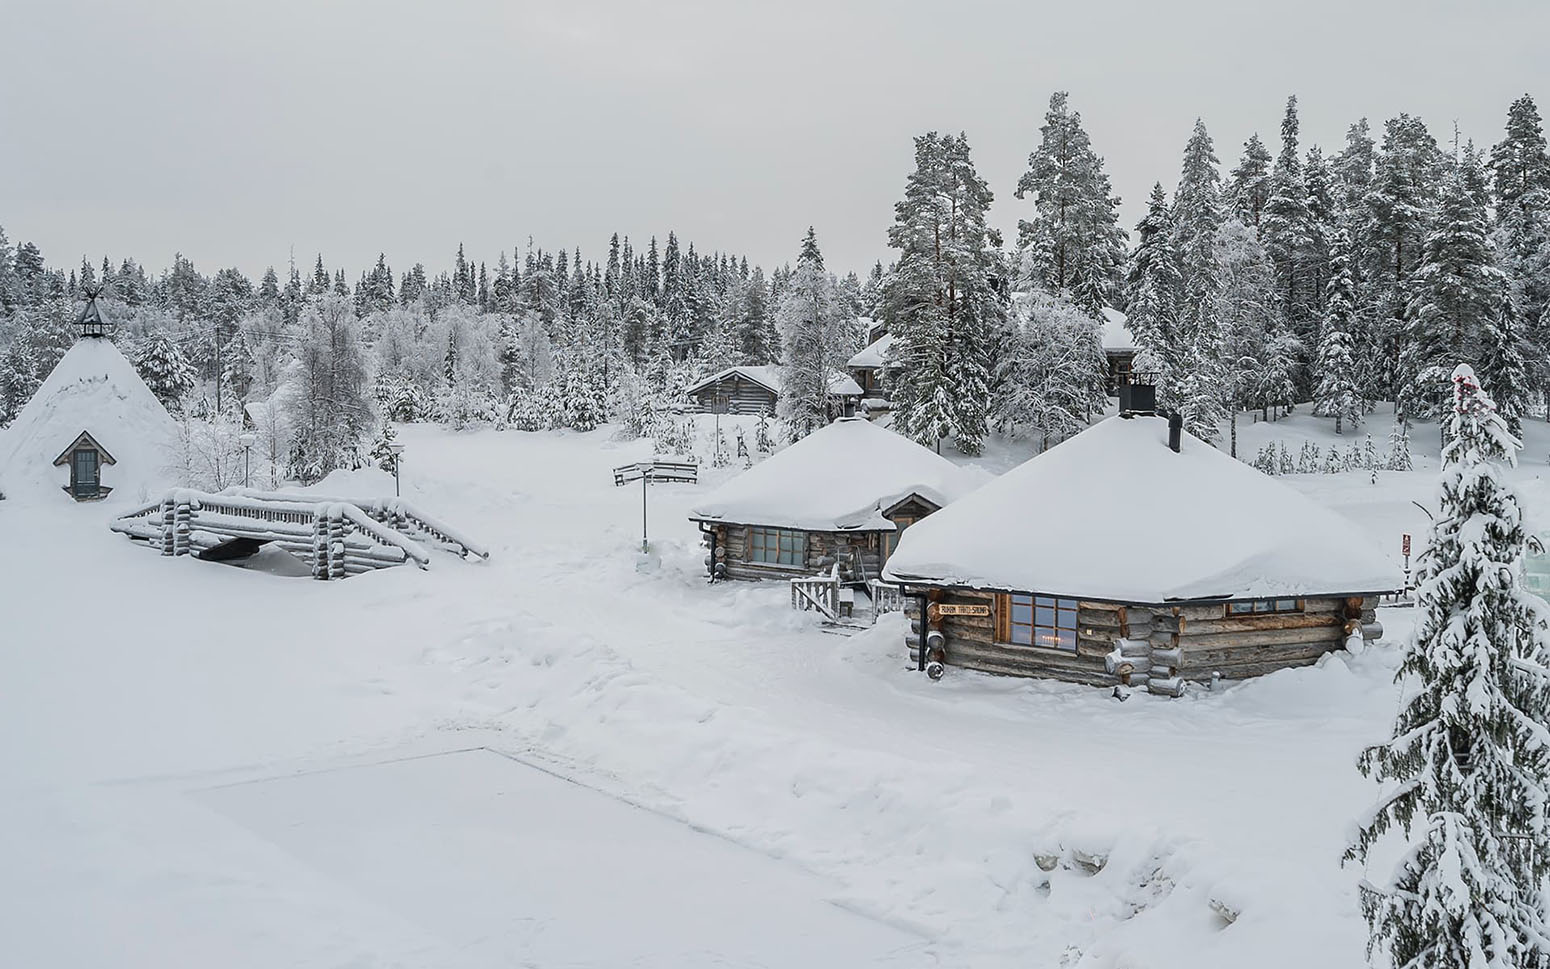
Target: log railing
{"points": [[818, 593], [337, 538]]}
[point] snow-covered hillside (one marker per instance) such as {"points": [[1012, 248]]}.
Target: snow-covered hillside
{"points": [[227, 766]]}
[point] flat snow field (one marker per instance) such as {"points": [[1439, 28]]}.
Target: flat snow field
{"points": [[556, 758]]}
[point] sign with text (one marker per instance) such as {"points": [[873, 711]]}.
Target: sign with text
{"points": [[940, 609]]}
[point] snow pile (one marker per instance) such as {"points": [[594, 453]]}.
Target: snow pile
{"points": [[839, 477], [95, 389], [1114, 513], [768, 377], [874, 354]]}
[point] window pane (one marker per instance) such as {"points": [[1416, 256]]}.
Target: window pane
{"points": [[1022, 635], [1286, 605], [1067, 639], [1240, 608], [1044, 600], [1022, 614], [1044, 616]]}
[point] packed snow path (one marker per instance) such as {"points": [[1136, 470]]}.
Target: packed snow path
{"points": [[928, 810]]}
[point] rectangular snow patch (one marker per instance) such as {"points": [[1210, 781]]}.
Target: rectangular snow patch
{"points": [[515, 866]]}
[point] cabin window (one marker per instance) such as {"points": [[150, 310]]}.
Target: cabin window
{"points": [[1038, 621], [1254, 607], [777, 546], [83, 473]]}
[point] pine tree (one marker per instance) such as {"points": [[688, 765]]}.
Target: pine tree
{"points": [[1287, 232], [165, 370], [1074, 242], [382, 453], [1337, 395], [1502, 366], [1398, 457], [817, 340], [1153, 294], [1457, 291], [1197, 217], [1247, 308], [1470, 751], [941, 305], [1251, 186]]}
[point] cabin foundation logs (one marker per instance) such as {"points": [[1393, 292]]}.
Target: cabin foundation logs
{"points": [[1157, 648]]}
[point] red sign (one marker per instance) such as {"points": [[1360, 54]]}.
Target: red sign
{"points": [[1406, 544]]}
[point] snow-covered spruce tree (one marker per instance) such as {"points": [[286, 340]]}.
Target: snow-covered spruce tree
{"points": [[1520, 169], [940, 303], [165, 370], [1153, 292], [816, 341], [1287, 232], [1202, 385], [1469, 759], [1398, 457], [1337, 395], [381, 453], [1250, 188], [1073, 243], [1503, 370], [1458, 290]]}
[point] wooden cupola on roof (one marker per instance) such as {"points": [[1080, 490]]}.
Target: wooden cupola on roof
{"points": [[92, 321]]}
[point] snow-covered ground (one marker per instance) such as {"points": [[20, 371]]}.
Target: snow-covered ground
{"points": [[558, 758]]}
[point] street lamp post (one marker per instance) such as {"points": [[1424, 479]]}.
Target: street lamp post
{"points": [[397, 451], [247, 441]]}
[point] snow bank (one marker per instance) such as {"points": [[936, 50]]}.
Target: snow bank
{"points": [[839, 477], [92, 388], [1114, 513]]}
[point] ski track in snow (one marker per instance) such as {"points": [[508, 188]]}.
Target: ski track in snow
{"points": [[133, 685]]}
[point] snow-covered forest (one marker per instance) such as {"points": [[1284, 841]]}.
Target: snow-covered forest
{"points": [[1341, 275]]}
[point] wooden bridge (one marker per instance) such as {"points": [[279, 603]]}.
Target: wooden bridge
{"points": [[338, 537]]}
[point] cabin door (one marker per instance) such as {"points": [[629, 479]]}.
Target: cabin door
{"points": [[83, 474]]}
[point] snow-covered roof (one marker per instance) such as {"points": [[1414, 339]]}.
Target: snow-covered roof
{"points": [[1114, 514], [874, 353], [93, 389], [768, 377], [842, 476], [1116, 336]]}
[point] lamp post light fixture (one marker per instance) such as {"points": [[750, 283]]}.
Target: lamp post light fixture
{"points": [[247, 441], [397, 450]]}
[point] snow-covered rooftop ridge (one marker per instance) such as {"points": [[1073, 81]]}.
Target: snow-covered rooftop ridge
{"points": [[874, 353], [1116, 335], [841, 476], [93, 388], [768, 376], [1114, 514]]}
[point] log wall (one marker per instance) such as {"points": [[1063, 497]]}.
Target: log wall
{"points": [[1171, 643], [819, 547], [735, 395]]}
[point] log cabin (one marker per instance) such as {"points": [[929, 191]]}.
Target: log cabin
{"points": [[866, 368], [756, 390], [846, 492], [1133, 554]]}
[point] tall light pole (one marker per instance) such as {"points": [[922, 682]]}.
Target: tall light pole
{"points": [[247, 449], [397, 450]]}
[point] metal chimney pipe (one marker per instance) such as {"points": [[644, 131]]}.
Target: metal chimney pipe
{"points": [[1175, 431]]}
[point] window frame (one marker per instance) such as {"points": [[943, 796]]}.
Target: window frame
{"points": [[762, 538], [1273, 606], [1060, 609]]}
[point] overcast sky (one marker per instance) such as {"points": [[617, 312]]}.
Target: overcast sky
{"points": [[235, 132]]}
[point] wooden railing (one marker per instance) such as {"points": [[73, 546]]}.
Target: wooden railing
{"points": [[886, 597], [818, 593]]}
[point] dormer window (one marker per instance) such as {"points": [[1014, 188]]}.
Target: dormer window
{"points": [[85, 458]]}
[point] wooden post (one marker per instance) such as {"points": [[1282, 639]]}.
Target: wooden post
{"points": [[168, 525]]}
